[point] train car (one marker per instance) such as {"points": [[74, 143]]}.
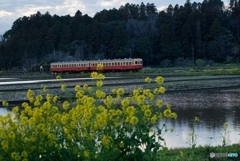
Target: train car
{"points": [[134, 64], [74, 66], [117, 64]]}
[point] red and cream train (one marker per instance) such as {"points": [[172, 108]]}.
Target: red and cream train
{"points": [[131, 64]]}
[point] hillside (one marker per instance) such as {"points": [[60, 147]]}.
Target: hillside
{"points": [[175, 37]]}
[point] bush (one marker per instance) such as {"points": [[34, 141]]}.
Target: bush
{"points": [[166, 63], [200, 63], [92, 126], [181, 62]]}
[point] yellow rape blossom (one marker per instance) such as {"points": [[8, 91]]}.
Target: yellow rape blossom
{"points": [[15, 109], [161, 90], [39, 97], [100, 77], [45, 88], [55, 99], [94, 75], [85, 86], [148, 80], [173, 115], [58, 77], [196, 119], [11, 135], [130, 110], [30, 93], [120, 91], [99, 83], [106, 141], [86, 153], [159, 103], [136, 92], [134, 120], [99, 66], [121, 144], [141, 99], [24, 154], [5, 103], [63, 87], [65, 105], [108, 101], [147, 113], [36, 103], [100, 94], [125, 102], [167, 113], [154, 119], [225, 125], [159, 80], [77, 88], [15, 156], [64, 119]]}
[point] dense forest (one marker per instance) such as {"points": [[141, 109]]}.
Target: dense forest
{"points": [[177, 36]]}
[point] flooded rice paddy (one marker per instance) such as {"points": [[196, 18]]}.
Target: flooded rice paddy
{"points": [[213, 107]]}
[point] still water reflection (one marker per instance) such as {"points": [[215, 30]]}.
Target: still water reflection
{"points": [[208, 130], [213, 108]]}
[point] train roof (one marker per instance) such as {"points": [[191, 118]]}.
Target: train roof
{"points": [[97, 61]]}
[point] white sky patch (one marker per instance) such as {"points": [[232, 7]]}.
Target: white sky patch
{"points": [[161, 8], [30, 9], [110, 4], [5, 13]]}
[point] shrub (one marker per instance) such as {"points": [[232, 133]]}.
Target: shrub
{"points": [[200, 63], [92, 126]]}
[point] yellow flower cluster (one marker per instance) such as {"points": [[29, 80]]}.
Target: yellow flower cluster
{"points": [[58, 77], [96, 75], [99, 66], [225, 125], [196, 119], [148, 80], [159, 80], [94, 126], [5, 103]]}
